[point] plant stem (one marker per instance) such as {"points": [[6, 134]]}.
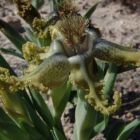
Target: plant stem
{"points": [[109, 79], [85, 117]]}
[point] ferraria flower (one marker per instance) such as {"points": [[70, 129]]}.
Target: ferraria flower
{"points": [[72, 57]]}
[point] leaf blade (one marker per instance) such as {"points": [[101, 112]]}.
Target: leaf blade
{"points": [[12, 35], [91, 10]]}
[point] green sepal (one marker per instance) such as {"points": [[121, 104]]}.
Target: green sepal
{"points": [[30, 36]]}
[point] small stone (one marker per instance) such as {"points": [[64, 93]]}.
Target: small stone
{"points": [[129, 116]]}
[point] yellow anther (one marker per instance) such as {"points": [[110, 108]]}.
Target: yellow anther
{"points": [[32, 53], [8, 82], [23, 7]]}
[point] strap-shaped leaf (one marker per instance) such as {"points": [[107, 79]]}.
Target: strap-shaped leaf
{"points": [[60, 98], [109, 79], [33, 133], [13, 132], [128, 129], [42, 108], [102, 67], [114, 130], [121, 130], [3, 137], [85, 119], [11, 52], [12, 35], [5, 118], [3, 63], [122, 69], [57, 135], [101, 125], [41, 127], [89, 13], [9, 129]]}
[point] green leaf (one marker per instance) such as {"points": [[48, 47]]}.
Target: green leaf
{"points": [[122, 69], [41, 127], [38, 3], [11, 52], [114, 130], [60, 98], [85, 119], [12, 35], [109, 79], [15, 109], [32, 132], [13, 132], [89, 13], [3, 137], [128, 129], [121, 130], [5, 118], [102, 66], [42, 108], [3, 63], [57, 135], [45, 41], [99, 127]]}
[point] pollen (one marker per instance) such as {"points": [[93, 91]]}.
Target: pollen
{"points": [[23, 7], [38, 26], [8, 82], [38, 23], [31, 52]]}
